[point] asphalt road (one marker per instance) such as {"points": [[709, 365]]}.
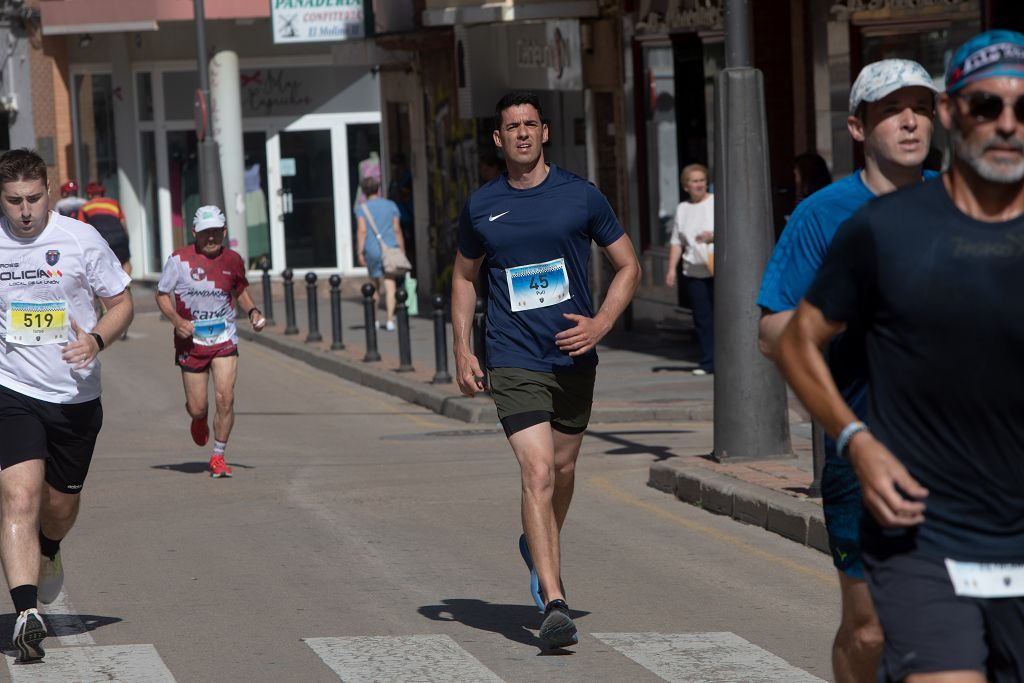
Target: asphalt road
{"points": [[364, 538]]}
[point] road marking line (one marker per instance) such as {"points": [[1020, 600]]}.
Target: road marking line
{"points": [[62, 620], [96, 664], [691, 657], [603, 484], [420, 658], [338, 384]]}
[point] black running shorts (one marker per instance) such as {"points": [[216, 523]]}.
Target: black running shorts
{"points": [[928, 628], [526, 397], [63, 434]]}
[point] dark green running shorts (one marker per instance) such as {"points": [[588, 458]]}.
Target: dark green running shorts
{"points": [[527, 397]]}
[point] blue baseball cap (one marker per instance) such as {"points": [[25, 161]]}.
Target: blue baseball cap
{"points": [[986, 55]]}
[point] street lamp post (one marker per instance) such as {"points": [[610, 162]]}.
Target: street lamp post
{"points": [[211, 190], [751, 416]]}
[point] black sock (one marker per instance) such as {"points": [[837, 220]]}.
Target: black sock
{"points": [[48, 546], [24, 597]]}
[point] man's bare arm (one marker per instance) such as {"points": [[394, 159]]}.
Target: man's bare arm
{"points": [[468, 372], [770, 329]]}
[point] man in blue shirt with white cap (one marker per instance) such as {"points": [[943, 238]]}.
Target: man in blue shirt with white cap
{"points": [[892, 104], [932, 273]]}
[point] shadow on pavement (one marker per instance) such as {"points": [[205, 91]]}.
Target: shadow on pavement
{"points": [[507, 620], [629, 447], [62, 624], [200, 467]]}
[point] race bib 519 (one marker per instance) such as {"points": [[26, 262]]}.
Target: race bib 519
{"points": [[34, 323]]}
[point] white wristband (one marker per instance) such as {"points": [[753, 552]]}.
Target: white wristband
{"points": [[844, 436]]}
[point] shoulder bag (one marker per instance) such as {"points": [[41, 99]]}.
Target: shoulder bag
{"points": [[394, 260]]}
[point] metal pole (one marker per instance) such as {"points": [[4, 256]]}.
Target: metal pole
{"points": [[268, 295], [737, 34], [311, 308], [289, 302], [751, 416], [440, 343], [211, 191], [404, 344], [336, 342], [369, 318]]}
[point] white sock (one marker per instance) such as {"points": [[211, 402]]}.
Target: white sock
{"points": [[219, 446]]}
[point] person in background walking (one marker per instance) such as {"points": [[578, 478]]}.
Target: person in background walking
{"points": [[693, 238], [383, 218], [810, 174], [69, 203], [105, 214]]}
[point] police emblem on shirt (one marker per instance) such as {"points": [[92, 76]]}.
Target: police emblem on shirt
{"points": [[52, 256], [197, 273]]}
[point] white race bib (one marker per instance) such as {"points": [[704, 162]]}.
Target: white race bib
{"points": [[976, 580], [210, 332], [538, 285], [35, 323]]}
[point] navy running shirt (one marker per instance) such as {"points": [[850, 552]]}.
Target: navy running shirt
{"points": [[539, 239], [939, 295]]}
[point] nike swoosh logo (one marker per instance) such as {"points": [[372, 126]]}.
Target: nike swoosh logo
{"points": [[494, 218]]}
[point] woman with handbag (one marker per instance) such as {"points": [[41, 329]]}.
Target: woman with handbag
{"points": [[383, 253]]}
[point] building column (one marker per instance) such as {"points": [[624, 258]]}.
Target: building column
{"points": [[129, 178]]}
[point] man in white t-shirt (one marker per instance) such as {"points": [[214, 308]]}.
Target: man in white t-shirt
{"points": [[693, 240], [51, 268]]}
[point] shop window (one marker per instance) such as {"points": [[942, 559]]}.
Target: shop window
{"points": [[183, 183], [144, 92], [95, 139], [179, 94], [148, 197]]}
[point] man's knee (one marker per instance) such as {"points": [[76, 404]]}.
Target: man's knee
{"points": [[538, 478], [20, 503], [565, 473], [197, 408], [225, 401]]}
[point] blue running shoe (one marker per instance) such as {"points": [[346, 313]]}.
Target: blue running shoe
{"points": [[524, 550]]}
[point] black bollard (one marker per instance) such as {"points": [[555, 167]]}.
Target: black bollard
{"points": [[440, 343], [268, 298], [369, 318], [313, 310], [289, 303], [479, 333], [336, 344], [404, 344]]}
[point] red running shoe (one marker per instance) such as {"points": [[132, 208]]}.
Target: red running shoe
{"points": [[219, 468], [200, 431]]}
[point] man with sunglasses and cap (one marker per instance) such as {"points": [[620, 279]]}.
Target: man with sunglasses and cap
{"points": [[206, 280], [932, 273], [891, 110]]}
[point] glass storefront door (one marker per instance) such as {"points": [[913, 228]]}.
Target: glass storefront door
{"points": [[307, 199]]}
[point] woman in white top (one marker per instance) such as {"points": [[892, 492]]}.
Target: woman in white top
{"points": [[693, 240]]}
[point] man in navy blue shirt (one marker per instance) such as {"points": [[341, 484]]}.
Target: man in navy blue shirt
{"points": [[531, 229], [932, 273], [891, 107]]}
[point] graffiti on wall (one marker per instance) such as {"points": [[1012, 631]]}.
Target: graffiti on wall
{"points": [[451, 163]]}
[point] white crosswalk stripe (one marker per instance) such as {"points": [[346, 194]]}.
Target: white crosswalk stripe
{"points": [[63, 622], [422, 658], [94, 664], [704, 657]]}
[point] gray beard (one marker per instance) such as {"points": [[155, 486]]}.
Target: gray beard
{"points": [[1003, 174]]}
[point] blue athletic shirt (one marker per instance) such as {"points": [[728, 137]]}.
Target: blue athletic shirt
{"points": [[513, 228], [794, 263]]}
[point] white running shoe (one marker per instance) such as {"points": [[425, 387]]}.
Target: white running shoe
{"points": [[51, 578], [29, 632]]}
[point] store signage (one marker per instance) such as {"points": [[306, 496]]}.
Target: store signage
{"points": [[305, 21], [847, 7], [545, 55], [674, 15]]}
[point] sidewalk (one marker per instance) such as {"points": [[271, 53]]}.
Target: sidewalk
{"points": [[642, 377]]}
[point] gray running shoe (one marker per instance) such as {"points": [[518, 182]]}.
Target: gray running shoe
{"points": [[558, 629], [29, 632], [51, 578]]}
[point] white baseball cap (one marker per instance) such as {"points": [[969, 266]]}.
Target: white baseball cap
{"points": [[878, 79], [208, 217]]}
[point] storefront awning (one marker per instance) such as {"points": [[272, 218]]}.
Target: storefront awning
{"points": [[486, 14], [61, 17]]}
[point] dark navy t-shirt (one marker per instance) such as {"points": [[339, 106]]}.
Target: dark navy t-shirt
{"points": [[529, 234], [939, 296]]}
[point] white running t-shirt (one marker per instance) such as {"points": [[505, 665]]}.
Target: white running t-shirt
{"points": [[45, 281]]}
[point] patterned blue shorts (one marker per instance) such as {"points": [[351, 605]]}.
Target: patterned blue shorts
{"points": [[841, 500]]}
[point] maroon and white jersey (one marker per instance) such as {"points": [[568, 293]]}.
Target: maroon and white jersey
{"points": [[204, 289]]}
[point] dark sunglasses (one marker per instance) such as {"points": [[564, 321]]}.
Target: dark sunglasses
{"points": [[985, 106]]}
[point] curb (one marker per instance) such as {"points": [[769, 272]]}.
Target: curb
{"points": [[795, 519], [444, 402]]}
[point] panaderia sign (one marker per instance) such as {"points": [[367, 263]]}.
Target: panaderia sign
{"points": [[304, 21]]}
